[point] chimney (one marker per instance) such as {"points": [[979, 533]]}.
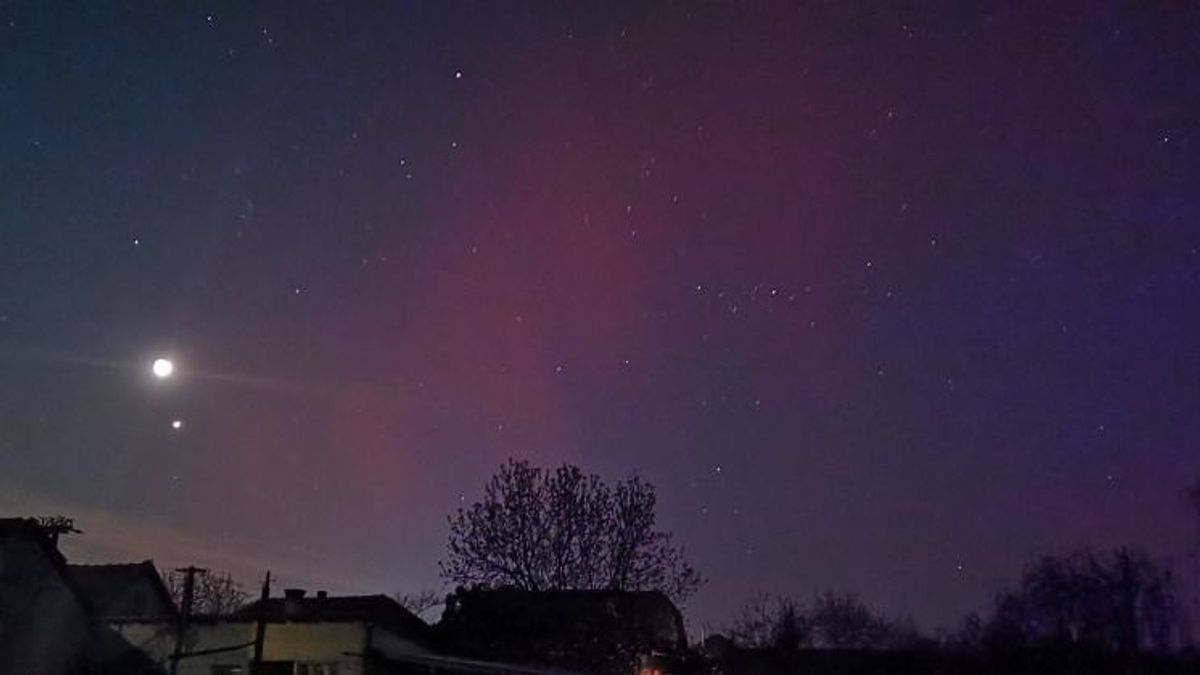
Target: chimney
{"points": [[293, 593], [321, 595]]}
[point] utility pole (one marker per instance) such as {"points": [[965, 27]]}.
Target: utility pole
{"points": [[260, 631], [185, 612]]}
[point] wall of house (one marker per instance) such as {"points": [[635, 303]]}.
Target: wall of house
{"points": [[340, 643], [154, 639], [215, 635], [43, 628], [391, 645], [157, 640]]}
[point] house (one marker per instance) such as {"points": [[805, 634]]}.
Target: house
{"points": [[302, 635], [47, 624], [597, 631], [133, 601], [338, 634]]}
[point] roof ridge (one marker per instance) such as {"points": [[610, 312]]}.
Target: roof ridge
{"points": [[385, 596], [130, 564]]}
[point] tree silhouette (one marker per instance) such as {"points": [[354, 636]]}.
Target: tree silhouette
{"points": [[778, 624], [842, 621], [1119, 602], [1193, 495], [421, 601], [214, 594], [834, 621], [968, 637], [539, 529]]}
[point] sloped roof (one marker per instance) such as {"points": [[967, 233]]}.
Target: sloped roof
{"points": [[49, 623], [377, 609], [124, 592], [30, 529]]}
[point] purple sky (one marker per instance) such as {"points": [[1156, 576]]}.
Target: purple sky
{"points": [[888, 300]]}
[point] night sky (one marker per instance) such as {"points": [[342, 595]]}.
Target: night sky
{"points": [[882, 298]]}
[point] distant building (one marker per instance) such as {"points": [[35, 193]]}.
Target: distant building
{"points": [[597, 631], [303, 635], [47, 624]]}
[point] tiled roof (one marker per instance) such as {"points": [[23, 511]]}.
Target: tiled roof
{"points": [[131, 591], [378, 609]]}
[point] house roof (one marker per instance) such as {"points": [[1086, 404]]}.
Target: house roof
{"points": [[31, 529], [129, 591], [377, 609], [42, 601]]}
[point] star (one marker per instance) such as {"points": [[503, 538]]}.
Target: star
{"points": [[408, 348]]}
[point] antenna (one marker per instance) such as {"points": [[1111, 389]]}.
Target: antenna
{"points": [[53, 526]]}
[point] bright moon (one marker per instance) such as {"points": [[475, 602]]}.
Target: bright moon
{"points": [[176, 424], [162, 368]]}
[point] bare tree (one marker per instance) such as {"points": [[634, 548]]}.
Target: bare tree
{"points": [[834, 621], [779, 624], [214, 594], [842, 621], [752, 627], [539, 529], [968, 637], [1120, 601], [421, 601]]}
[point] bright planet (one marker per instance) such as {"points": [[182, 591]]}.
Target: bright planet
{"points": [[162, 368]]}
